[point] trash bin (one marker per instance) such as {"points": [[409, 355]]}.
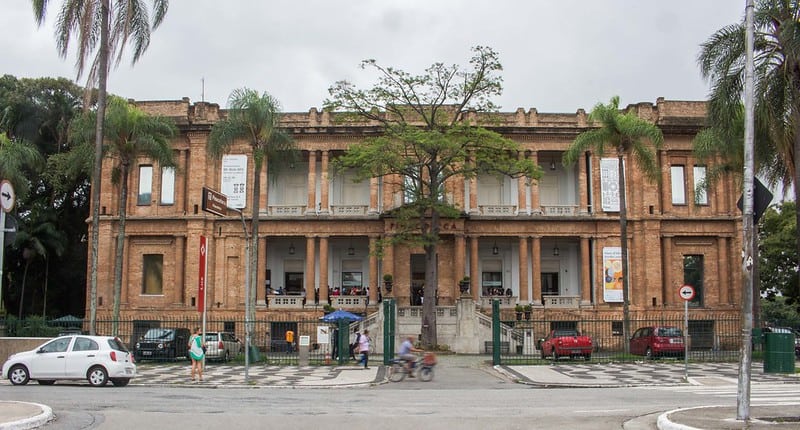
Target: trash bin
{"points": [[778, 352], [255, 356]]}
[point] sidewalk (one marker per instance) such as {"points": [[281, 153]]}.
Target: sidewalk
{"points": [[22, 415]]}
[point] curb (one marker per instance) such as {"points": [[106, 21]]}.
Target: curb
{"points": [[35, 421]]}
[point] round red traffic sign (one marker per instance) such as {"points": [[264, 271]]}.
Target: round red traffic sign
{"points": [[686, 292]]}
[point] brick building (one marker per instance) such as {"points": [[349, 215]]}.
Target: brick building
{"points": [[551, 243]]}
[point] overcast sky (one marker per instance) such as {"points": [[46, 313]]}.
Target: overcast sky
{"points": [[558, 55]]}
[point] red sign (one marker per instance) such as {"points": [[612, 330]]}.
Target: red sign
{"points": [[686, 292], [201, 291]]}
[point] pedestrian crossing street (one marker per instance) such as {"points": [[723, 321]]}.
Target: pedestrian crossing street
{"points": [[764, 394]]}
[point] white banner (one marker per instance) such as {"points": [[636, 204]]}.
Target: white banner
{"points": [[234, 180], [612, 274], [609, 184]]}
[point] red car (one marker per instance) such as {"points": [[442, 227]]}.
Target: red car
{"points": [[658, 341], [566, 343]]}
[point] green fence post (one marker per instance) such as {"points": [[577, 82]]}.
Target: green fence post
{"points": [[388, 330], [344, 340], [496, 332]]}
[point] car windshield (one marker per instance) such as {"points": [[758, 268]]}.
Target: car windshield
{"points": [[669, 332], [159, 333], [211, 336]]}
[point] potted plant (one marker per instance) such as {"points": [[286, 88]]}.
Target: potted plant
{"points": [[328, 308], [387, 282], [463, 285], [527, 310], [518, 309]]}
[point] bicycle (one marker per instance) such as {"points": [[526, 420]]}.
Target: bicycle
{"points": [[422, 368]]}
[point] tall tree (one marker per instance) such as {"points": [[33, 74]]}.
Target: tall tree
{"points": [[17, 158], [629, 137], [777, 83], [102, 29], [427, 141], [38, 237], [254, 117], [130, 134]]}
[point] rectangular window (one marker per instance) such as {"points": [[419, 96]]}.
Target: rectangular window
{"points": [[145, 185], [693, 269], [153, 274], [678, 185], [700, 187], [549, 283], [167, 185]]}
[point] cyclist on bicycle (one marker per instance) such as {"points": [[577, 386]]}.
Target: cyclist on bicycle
{"points": [[406, 353]]}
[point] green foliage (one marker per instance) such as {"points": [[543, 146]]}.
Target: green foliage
{"points": [[776, 311], [778, 266], [33, 326]]}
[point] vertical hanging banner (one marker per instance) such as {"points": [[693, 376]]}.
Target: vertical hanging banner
{"points": [[234, 179], [612, 274], [609, 184], [201, 290]]}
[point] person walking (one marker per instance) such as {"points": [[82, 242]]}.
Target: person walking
{"points": [[363, 348], [197, 353]]}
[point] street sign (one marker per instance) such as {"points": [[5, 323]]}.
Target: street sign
{"points": [[686, 292], [215, 202], [7, 196]]}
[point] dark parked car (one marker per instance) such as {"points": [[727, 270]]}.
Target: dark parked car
{"points": [[162, 344], [658, 341]]}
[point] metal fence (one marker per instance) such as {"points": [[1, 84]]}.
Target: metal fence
{"points": [[717, 339], [268, 342]]}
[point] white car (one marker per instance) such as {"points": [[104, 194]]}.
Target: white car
{"points": [[222, 346], [98, 359]]}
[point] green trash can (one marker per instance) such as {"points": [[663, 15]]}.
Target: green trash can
{"points": [[778, 352], [255, 355]]}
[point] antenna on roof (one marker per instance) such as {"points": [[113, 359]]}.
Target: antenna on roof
{"points": [[203, 89]]}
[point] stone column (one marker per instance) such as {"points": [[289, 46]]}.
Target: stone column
{"points": [[522, 191], [459, 255], [723, 268], [311, 205], [325, 206], [668, 293], [475, 275], [586, 276], [583, 192], [261, 271], [373, 196], [180, 258], [473, 196], [324, 249], [536, 207], [536, 258], [309, 276], [523, 269], [375, 280]]}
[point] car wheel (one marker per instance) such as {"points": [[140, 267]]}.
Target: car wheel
{"points": [[18, 375], [648, 354], [553, 355], [97, 376], [120, 382], [46, 381]]}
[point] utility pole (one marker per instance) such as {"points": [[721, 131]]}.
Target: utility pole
{"points": [[748, 250]]}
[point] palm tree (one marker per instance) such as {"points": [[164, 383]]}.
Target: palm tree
{"points": [[131, 134], [629, 136], [38, 237], [777, 84], [16, 158], [103, 26], [254, 117]]}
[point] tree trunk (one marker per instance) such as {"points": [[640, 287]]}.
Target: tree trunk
{"points": [[118, 256], [97, 171], [46, 278], [22, 289], [257, 166], [796, 184], [623, 231]]}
